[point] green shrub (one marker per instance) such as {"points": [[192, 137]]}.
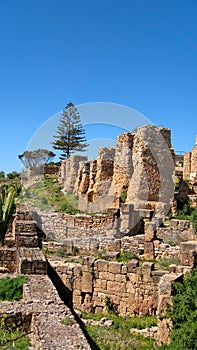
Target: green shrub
{"points": [[62, 252], [125, 257], [7, 208], [110, 306], [123, 197], [11, 288], [184, 315], [194, 220], [164, 263], [9, 334]]}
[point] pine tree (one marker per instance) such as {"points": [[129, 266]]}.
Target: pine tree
{"points": [[70, 135]]}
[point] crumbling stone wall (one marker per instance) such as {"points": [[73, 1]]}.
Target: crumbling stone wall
{"points": [[43, 169], [140, 166], [132, 289], [69, 172], [94, 181], [62, 226], [194, 161], [190, 168], [8, 259], [187, 166]]}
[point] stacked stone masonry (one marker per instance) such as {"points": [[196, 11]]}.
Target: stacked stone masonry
{"points": [[132, 288]]}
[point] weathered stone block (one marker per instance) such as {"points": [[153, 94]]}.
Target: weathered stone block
{"points": [[102, 265], [116, 287], [86, 284], [149, 250], [132, 265], [107, 276], [115, 267]]}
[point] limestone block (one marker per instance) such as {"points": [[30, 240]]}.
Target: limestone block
{"points": [[97, 283], [132, 265], [150, 230], [116, 287], [115, 267], [156, 276], [102, 265], [122, 308], [163, 331], [149, 250], [120, 278], [130, 288], [189, 253], [77, 300], [146, 270], [180, 225], [133, 277], [77, 283], [108, 276], [103, 284], [86, 284]]}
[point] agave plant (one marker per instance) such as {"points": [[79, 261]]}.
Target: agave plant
{"points": [[7, 208]]}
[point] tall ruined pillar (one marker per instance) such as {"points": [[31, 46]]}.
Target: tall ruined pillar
{"points": [[69, 172], [123, 166], [151, 186], [194, 161], [187, 166]]}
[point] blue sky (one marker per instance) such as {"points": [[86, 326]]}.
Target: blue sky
{"points": [[137, 53]]}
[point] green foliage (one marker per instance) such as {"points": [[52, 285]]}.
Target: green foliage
{"points": [[13, 175], [125, 257], [70, 134], [66, 320], [7, 208], [9, 334], [100, 254], [2, 174], [194, 220], [123, 197], [110, 306], [163, 264], [62, 252], [11, 288], [38, 156], [184, 314], [118, 337]]}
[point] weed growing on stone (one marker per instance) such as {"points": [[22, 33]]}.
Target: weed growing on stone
{"points": [[125, 257], [66, 320], [164, 264]]}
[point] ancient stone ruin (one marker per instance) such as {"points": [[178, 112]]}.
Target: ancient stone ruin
{"points": [[124, 195], [135, 289], [139, 167]]}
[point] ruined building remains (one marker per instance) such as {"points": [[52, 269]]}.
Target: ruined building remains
{"points": [[190, 167], [137, 171]]}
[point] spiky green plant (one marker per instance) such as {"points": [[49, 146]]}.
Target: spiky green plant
{"points": [[7, 207]]}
